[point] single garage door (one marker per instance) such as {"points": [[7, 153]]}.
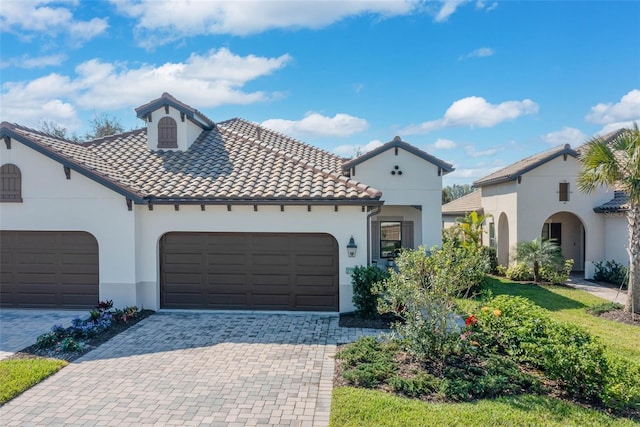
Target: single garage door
{"points": [[48, 269], [249, 271]]}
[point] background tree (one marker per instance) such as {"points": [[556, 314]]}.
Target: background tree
{"points": [[538, 253], [455, 191], [616, 164], [104, 125], [54, 129]]}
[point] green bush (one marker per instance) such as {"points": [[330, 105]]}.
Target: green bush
{"points": [[605, 307], [520, 272], [491, 256], [70, 345], [622, 388], [364, 299], [421, 384], [611, 272], [47, 340], [367, 362], [554, 276]]}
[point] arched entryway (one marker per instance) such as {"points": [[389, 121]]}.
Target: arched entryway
{"points": [[503, 239], [568, 231]]}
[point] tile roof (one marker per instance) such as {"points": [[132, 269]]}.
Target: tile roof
{"points": [[468, 203], [235, 162], [167, 99], [398, 142], [514, 170], [619, 203]]}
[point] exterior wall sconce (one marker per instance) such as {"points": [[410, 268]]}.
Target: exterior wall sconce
{"points": [[351, 248]]}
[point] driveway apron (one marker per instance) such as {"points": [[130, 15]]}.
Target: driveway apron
{"points": [[196, 369]]}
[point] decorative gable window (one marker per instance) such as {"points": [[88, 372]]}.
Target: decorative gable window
{"points": [[10, 184], [167, 133], [563, 191]]}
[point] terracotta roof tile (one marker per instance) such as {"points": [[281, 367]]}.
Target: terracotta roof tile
{"points": [[231, 162], [465, 204], [619, 203]]}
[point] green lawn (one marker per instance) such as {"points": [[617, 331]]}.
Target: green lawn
{"points": [[569, 305], [362, 407], [17, 375]]}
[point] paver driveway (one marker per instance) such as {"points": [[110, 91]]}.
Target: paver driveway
{"points": [[196, 369]]}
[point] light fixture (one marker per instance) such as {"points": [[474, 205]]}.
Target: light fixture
{"points": [[351, 248]]}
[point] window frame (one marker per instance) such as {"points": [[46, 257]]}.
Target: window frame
{"points": [[164, 124], [10, 183], [563, 191], [385, 243]]}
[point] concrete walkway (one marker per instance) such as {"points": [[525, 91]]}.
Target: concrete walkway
{"points": [[19, 328], [609, 293], [196, 369]]}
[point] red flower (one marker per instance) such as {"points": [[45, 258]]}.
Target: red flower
{"points": [[471, 320]]}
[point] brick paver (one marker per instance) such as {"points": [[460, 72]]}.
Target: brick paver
{"points": [[196, 369]]}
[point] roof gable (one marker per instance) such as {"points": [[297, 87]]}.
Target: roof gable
{"points": [[471, 202], [519, 168], [166, 100], [397, 142]]}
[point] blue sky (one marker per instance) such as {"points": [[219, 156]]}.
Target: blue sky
{"points": [[479, 84]]}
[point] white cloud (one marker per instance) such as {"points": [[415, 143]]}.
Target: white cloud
{"points": [[475, 111], [611, 127], [448, 8], [206, 80], [30, 18], [471, 151], [160, 22], [314, 124], [566, 135], [479, 53], [628, 109], [443, 144], [349, 151], [26, 61], [483, 5]]}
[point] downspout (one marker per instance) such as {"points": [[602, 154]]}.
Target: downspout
{"points": [[374, 212]]}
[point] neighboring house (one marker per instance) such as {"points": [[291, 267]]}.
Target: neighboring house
{"points": [[538, 197], [191, 214], [461, 207]]}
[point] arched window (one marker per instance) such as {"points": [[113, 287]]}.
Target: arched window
{"points": [[167, 133], [10, 184]]}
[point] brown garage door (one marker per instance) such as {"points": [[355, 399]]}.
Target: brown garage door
{"points": [[249, 271], [48, 269]]}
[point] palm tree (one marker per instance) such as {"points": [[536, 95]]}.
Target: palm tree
{"points": [[616, 164], [539, 252], [471, 228]]}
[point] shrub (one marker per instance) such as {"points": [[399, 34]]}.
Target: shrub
{"points": [[622, 388], [611, 272], [367, 362], [520, 272], [47, 340], [491, 256], [605, 307], [555, 276], [422, 383], [364, 299], [69, 345]]}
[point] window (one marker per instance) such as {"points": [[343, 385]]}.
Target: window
{"points": [[564, 192], [492, 235], [167, 133], [552, 230], [390, 238], [10, 184]]}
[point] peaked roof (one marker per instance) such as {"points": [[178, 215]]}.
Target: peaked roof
{"points": [[463, 205], [235, 162], [399, 143], [167, 100], [517, 169]]}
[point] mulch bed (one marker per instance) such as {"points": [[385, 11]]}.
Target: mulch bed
{"points": [[87, 344], [622, 317], [351, 320]]}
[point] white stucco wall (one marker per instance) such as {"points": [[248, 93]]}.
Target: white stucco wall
{"points": [[617, 238], [53, 203], [497, 200], [152, 225], [418, 185]]}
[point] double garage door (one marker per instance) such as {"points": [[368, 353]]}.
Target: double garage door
{"points": [[42, 269], [254, 271]]}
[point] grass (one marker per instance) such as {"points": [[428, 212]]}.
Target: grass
{"points": [[570, 305], [362, 407], [17, 375]]}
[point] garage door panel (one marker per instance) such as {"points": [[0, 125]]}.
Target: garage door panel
{"points": [[36, 258], [264, 271], [183, 258]]}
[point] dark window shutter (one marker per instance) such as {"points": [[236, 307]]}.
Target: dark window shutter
{"points": [[564, 192], [10, 183], [375, 239], [407, 234], [167, 133]]}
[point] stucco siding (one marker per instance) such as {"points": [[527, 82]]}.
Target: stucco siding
{"points": [[53, 203], [617, 241]]}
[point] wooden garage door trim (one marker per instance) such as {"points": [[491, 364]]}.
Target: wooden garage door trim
{"points": [[249, 271], [48, 269]]}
